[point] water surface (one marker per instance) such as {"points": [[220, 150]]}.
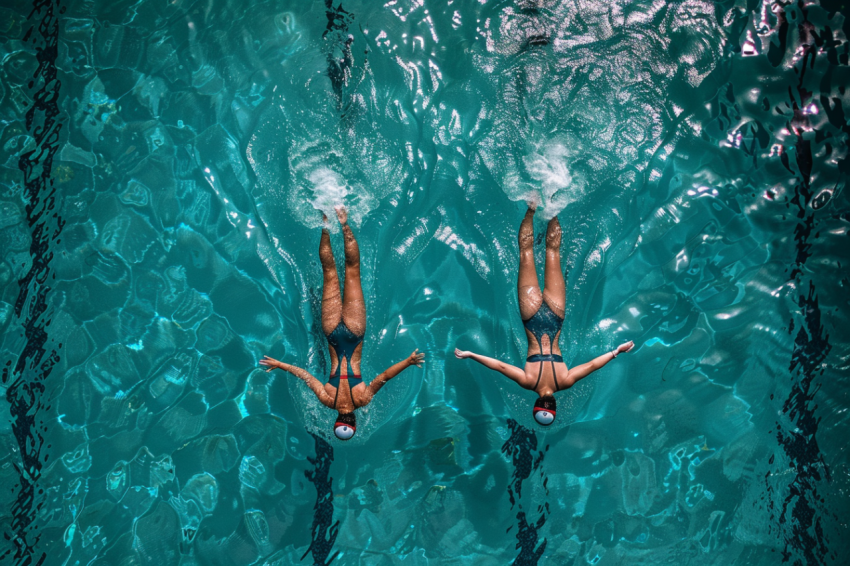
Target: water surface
{"points": [[695, 153]]}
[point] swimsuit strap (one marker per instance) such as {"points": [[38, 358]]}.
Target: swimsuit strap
{"points": [[545, 358], [354, 380], [349, 379], [539, 375], [552, 358]]}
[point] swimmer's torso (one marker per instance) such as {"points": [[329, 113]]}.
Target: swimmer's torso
{"points": [[348, 398], [345, 385], [545, 369]]}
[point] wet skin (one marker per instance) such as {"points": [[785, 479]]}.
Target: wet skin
{"points": [[543, 377], [349, 309]]}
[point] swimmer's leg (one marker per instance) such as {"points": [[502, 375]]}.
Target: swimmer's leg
{"points": [[555, 290], [528, 287], [353, 306], [331, 299]]}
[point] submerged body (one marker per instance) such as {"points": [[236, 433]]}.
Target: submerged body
{"points": [[344, 325], [342, 344], [545, 324], [543, 315]]}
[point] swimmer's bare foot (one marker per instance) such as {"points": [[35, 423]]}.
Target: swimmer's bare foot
{"points": [[532, 201], [553, 234], [341, 214]]}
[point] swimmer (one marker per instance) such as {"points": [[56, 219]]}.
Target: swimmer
{"points": [[542, 315], [344, 325]]}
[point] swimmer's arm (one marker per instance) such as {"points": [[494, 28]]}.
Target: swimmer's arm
{"points": [[583, 370], [415, 359], [314, 384], [509, 371]]}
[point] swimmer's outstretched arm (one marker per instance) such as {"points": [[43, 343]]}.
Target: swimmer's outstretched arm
{"points": [[414, 359], [314, 384], [509, 371], [583, 370]]}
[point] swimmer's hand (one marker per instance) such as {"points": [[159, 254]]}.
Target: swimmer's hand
{"points": [[460, 354], [625, 347], [416, 358], [271, 363]]}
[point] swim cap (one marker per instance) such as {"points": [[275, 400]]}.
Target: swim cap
{"points": [[544, 410], [345, 426]]}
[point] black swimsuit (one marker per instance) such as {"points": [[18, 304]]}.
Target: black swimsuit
{"points": [[545, 323], [343, 342]]}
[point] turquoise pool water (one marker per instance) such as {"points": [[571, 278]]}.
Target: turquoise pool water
{"points": [[165, 166]]}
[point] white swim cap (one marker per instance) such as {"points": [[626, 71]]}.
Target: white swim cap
{"points": [[544, 410], [544, 417], [343, 431]]}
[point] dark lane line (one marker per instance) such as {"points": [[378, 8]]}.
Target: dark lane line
{"points": [[521, 448], [325, 530], [801, 531], [27, 377]]}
